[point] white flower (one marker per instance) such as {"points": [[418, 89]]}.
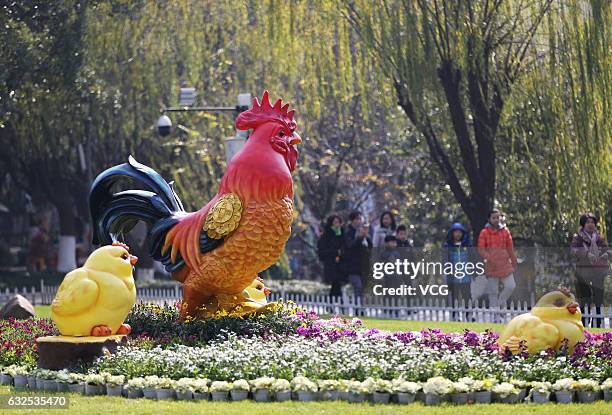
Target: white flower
{"points": [[281, 385], [165, 383], [328, 385], [184, 385], [243, 385], [135, 383], [75, 378], [94, 379], [565, 384], [15, 370], [368, 385], [261, 383], [151, 381], [200, 385], [587, 385], [438, 386], [220, 386], [354, 386], [63, 376], [301, 383], [483, 385], [460, 387], [382, 386], [505, 389], [117, 380], [607, 384], [403, 386], [46, 374], [541, 387], [467, 381], [519, 383]]}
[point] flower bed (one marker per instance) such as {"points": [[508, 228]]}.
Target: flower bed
{"points": [[413, 356], [291, 354], [161, 324], [434, 390], [18, 340]]}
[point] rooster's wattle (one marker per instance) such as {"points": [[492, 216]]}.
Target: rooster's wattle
{"points": [[217, 251]]}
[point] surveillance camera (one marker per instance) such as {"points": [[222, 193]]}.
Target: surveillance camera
{"points": [[164, 125]]}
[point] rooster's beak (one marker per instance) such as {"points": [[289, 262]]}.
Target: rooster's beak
{"points": [[295, 139], [572, 308], [133, 259]]}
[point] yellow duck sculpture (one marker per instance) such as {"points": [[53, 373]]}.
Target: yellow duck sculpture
{"points": [[95, 299], [555, 317]]}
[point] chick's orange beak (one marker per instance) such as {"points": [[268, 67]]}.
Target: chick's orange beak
{"points": [[572, 308], [133, 259]]}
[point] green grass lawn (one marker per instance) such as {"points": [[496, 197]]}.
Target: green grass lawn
{"points": [[43, 310], [446, 326], [110, 405]]}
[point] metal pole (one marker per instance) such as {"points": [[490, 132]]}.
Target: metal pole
{"points": [[201, 109], [232, 144]]}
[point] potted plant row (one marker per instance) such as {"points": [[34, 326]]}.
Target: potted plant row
{"points": [[434, 391]]}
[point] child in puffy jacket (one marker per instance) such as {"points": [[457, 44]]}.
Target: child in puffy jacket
{"points": [[456, 251], [496, 248]]}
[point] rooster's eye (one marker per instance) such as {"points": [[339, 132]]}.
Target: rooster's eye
{"points": [[281, 133], [124, 256]]}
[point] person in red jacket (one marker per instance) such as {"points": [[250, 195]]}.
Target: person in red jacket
{"points": [[496, 248]]}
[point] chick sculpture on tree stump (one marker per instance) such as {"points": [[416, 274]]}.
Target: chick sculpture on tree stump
{"points": [[556, 317], [94, 300], [217, 251], [90, 308]]}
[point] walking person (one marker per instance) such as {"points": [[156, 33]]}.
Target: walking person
{"points": [[401, 236], [329, 249], [390, 253], [386, 226], [590, 250], [357, 250], [496, 248], [456, 252]]}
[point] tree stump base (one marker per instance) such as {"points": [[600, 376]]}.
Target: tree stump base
{"points": [[64, 352]]}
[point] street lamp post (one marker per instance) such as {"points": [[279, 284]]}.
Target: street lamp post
{"points": [[186, 100]]}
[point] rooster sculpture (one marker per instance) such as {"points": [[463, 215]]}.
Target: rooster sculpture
{"points": [[217, 251]]}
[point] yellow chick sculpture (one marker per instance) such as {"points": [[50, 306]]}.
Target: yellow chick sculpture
{"points": [[555, 317], [95, 299]]}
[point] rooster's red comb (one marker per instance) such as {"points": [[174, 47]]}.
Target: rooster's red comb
{"points": [[264, 111], [121, 244]]}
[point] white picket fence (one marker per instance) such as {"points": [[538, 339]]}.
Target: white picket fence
{"points": [[402, 308]]}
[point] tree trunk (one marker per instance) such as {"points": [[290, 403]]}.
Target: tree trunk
{"points": [[478, 216]]}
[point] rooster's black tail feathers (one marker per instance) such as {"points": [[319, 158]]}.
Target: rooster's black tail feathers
{"points": [[115, 214]]}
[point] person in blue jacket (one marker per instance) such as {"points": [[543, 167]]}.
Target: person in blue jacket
{"points": [[456, 251]]}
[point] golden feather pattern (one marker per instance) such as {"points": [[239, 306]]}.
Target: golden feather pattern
{"points": [[224, 217], [251, 248]]}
